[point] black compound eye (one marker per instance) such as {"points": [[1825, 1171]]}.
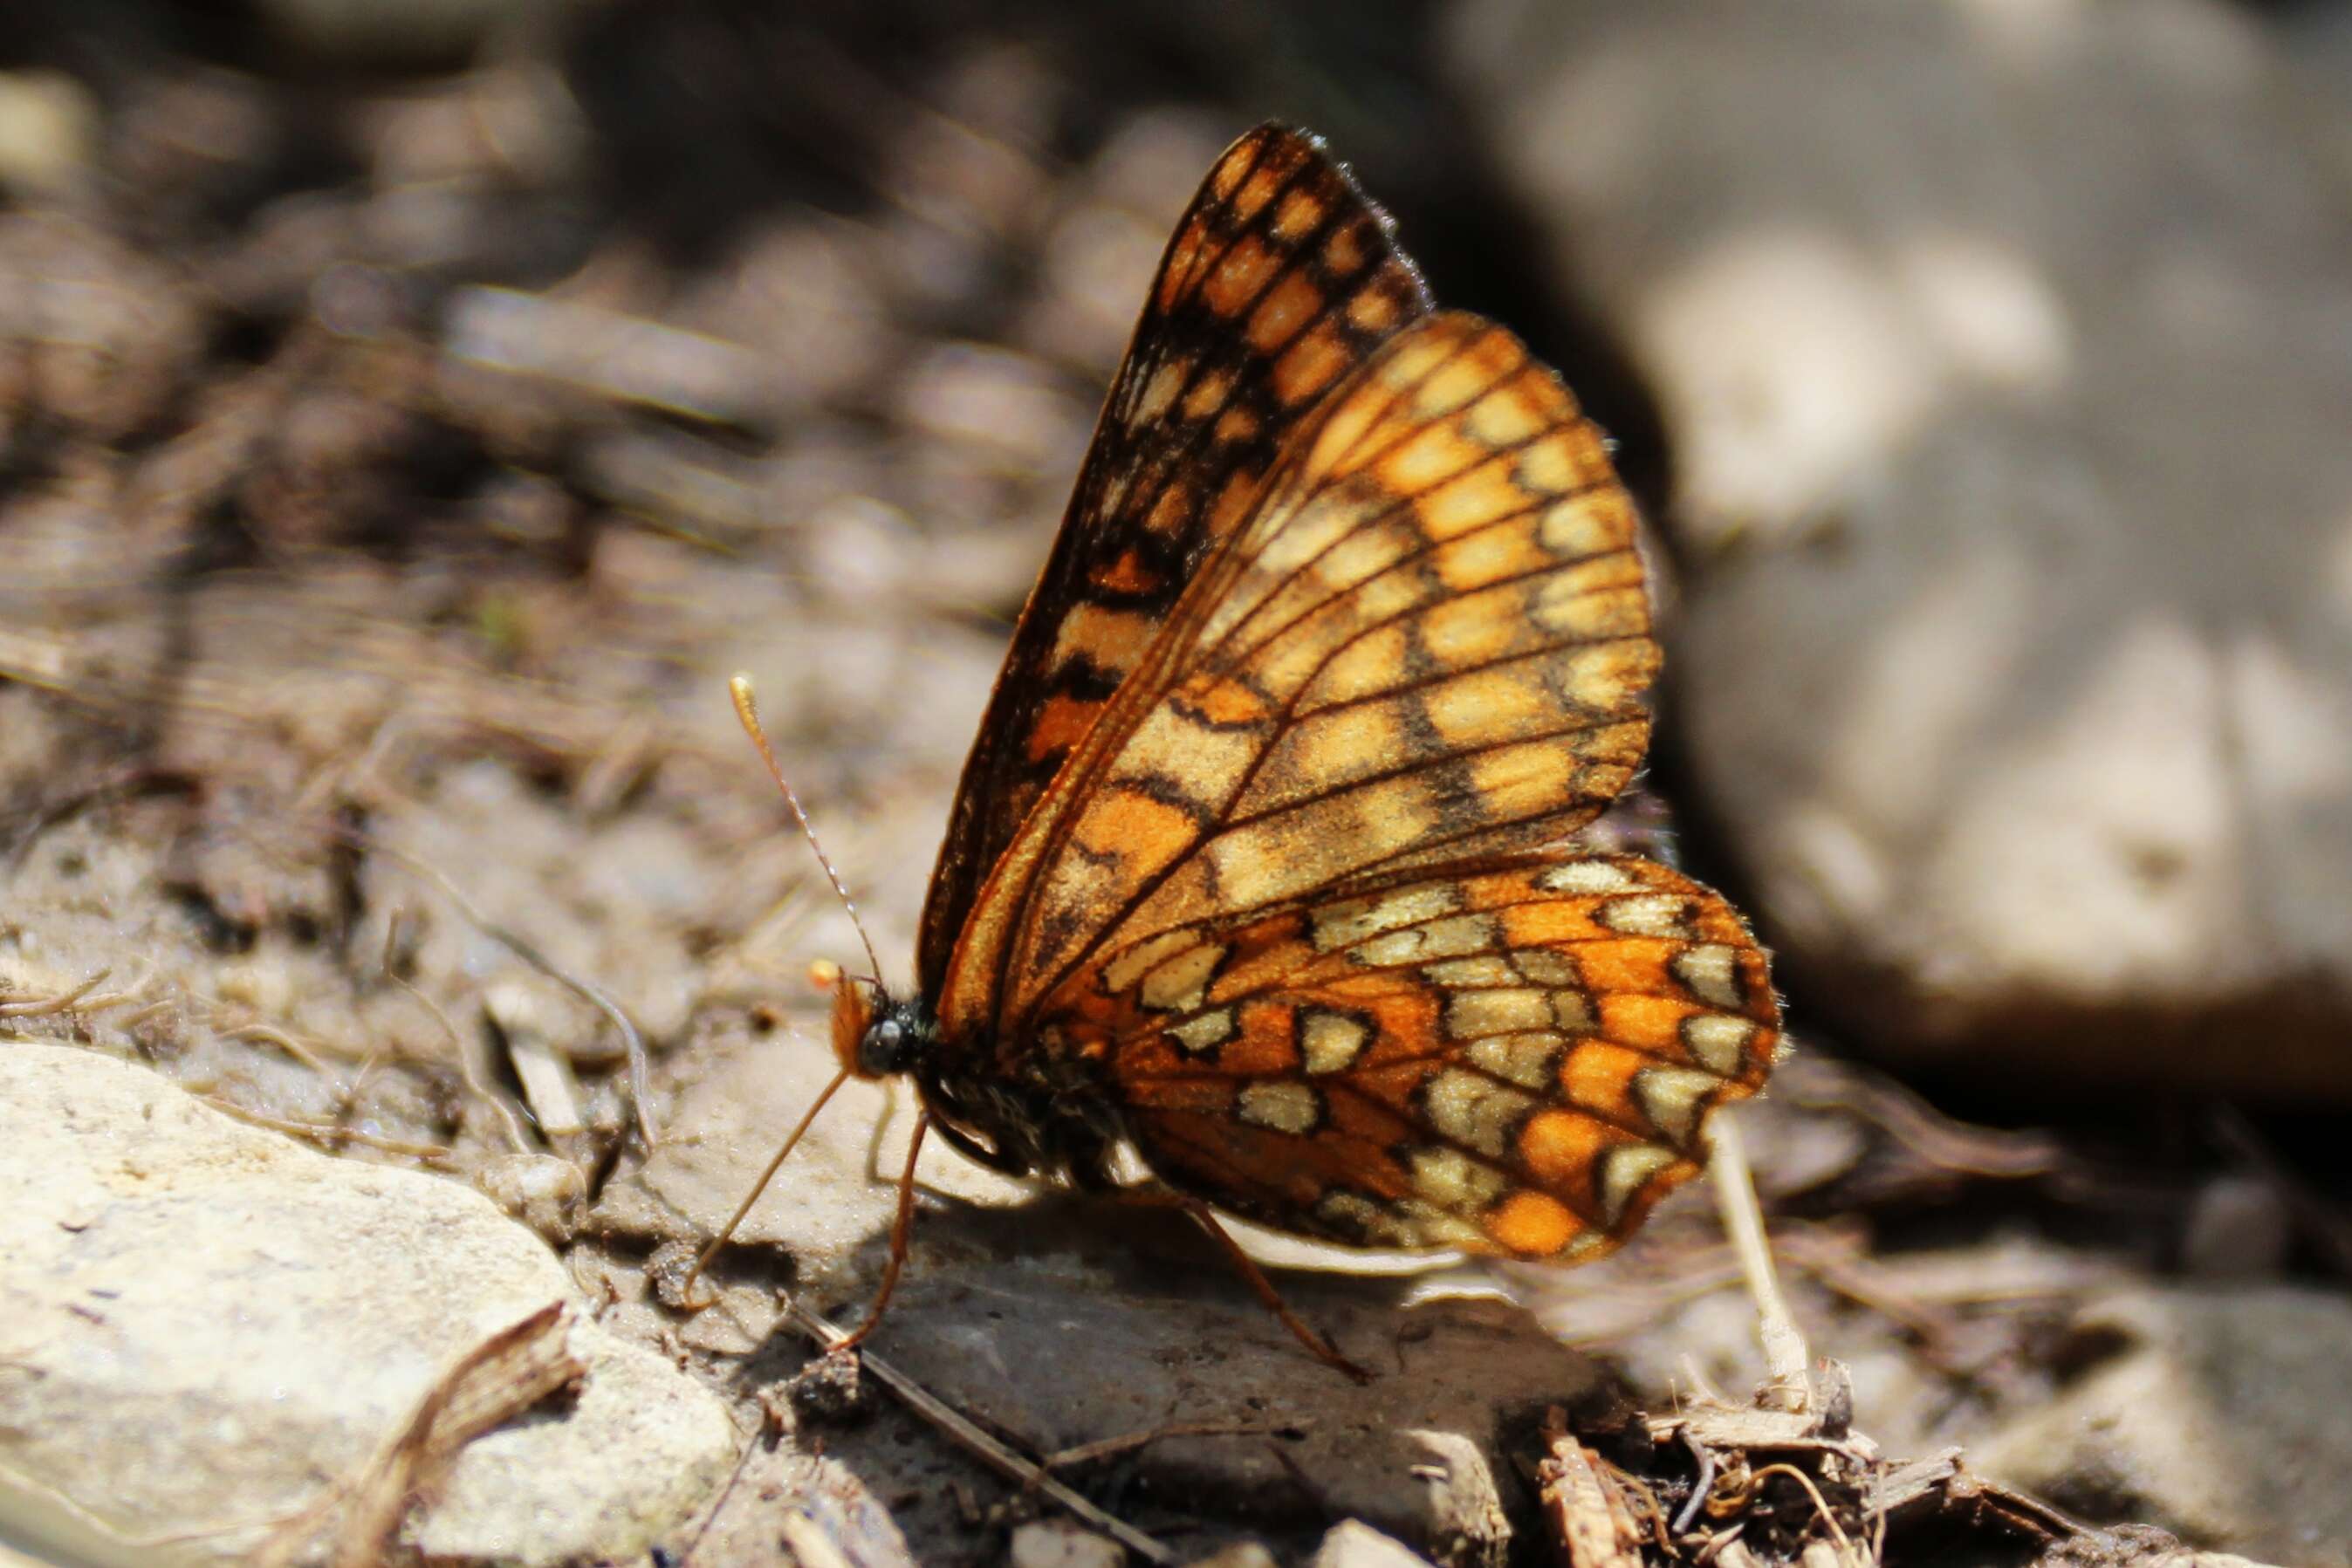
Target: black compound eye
{"points": [[888, 1033]]}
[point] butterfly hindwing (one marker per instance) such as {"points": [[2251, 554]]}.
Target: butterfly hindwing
{"points": [[1280, 279], [1513, 1058]]}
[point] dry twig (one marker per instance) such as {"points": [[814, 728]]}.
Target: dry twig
{"points": [[962, 1431]]}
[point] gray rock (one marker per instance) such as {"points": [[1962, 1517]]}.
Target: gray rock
{"points": [[207, 1324], [2005, 353], [2222, 1417]]}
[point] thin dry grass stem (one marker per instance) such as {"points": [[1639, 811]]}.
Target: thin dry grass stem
{"points": [[1943, 1142], [987, 1450], [63, 1001], [271, 1034], [1127, 1442], [1820, 1503], [742, 1460], [106, 1001], [640, 1070], [1785, 1355], [327, 1131], [468, 1069]]}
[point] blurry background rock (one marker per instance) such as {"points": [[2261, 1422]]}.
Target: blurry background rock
{"points": [[410, 415]]}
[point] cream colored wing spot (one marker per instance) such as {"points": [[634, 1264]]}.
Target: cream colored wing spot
{"points": [[1471, 1015], [1121, 975], [1710, 973], [1159, 394], [1587, 878], [1438, 939], [1720, 1042], [1474, 1109], [1330, 1042], [1547, 967], [1451, 1180], [1530, 1060], [1666, 915], [1433, 1227], [1203, 1034], [1674, 1098], [1352, 1213], [1344, 925], [1468, 974], [1623, 1171], [1182, 983], [1281, 1105]]}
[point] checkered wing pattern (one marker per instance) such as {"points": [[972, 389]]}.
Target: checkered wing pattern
{"points": [[1281, 279], [1288, 893], [1515, 1058]]}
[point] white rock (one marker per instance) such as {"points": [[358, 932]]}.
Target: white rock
{"points": [[1352, 1544], [2006, 355], [203, 1325]]}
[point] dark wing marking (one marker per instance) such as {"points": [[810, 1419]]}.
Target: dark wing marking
{"points": [[1280, 279]]}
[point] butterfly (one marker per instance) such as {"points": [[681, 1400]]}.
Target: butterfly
{"points": [[1262, 863]]}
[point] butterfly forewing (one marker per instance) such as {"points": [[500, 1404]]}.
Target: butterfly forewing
{"points": [[1430, 644], [1516, 1058], [1280, 279]]}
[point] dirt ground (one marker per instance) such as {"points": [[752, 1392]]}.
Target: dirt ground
{"points": [[397, 455]]}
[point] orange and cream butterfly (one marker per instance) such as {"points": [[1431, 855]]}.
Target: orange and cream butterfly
{"points": [[1262, 863]]}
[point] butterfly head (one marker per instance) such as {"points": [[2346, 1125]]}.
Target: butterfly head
{"points": [[875, 1034]]}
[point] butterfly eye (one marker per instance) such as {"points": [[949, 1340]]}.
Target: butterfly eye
{"points": [[885, 1049]]}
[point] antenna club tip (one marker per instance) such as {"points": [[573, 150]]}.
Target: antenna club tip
{"points": [[823, 973]]}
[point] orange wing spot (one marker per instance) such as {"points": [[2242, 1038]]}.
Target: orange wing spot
{"points": [[1239, 275], [1208, 394], [1223, 700], [1108, 639], [1296, 217], [1343, 253], [1237, 423], [1232, 505], [1559, 1148], [1552, 923], [1133, 828], [1172, 512], [1128, 574], [1253, 196], [1310, 365], [1646, 1023], [1176, 276], [1288, 307], [1599, 1076], [1373, 311], [1629, 964], [1060, 725], [1436, 453], [1532, 1224], [1268, 1043]]}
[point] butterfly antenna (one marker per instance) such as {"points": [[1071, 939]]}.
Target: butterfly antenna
{"points": [[746, 710], [685, 1291]]}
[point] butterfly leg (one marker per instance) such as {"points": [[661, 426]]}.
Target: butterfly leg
{"points": [[901, 1227], [1254, 1277]]}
